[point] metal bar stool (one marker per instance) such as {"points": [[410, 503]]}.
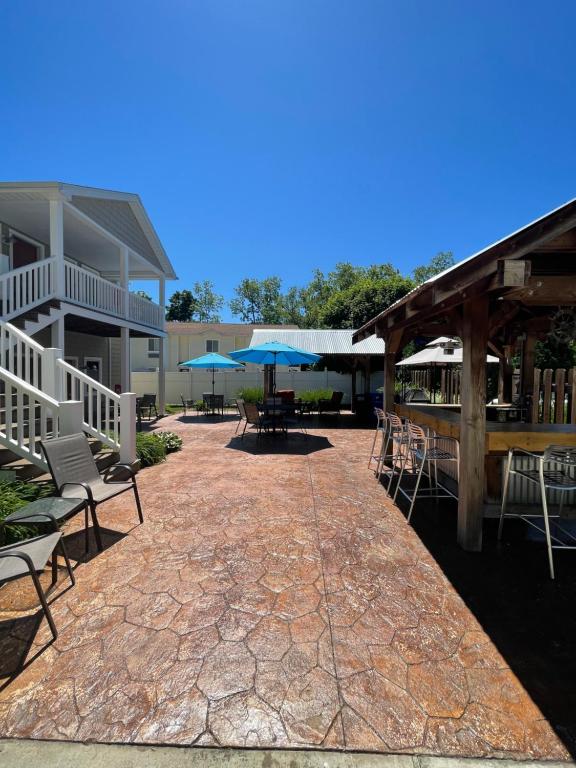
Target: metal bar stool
{"points": [[397, 441], [427, 452], [381, 429], [554, 470]]}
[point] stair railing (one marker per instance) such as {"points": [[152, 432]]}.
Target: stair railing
{"points": [[103, 414]]}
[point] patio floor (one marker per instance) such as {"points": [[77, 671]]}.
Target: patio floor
{"points": [[271, 598]]}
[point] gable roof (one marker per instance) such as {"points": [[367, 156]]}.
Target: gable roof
{"points": [[120, 213]]}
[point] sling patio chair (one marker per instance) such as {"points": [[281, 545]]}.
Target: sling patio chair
{"points": [[29, 557], [331, 405], [75, 473], [241, 413], [255, 419]]}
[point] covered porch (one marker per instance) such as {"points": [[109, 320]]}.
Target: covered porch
{"points": [[501, 300]]}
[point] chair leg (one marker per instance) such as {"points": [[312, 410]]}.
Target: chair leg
{"points": [[86, 532], [415, 492], [547, 527], [44, 603], [137, 497], [96, 527], [67, 561], [504, 496]]}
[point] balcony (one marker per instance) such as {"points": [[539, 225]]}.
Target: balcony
{"points": [[23, 289]]}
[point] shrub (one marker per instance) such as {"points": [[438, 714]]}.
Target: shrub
{"points": [[150, 449], [251, 394], [172, 441], [15, 494], [312, 396]]}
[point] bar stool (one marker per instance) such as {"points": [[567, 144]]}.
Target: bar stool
{"points": [[426, 450], [553, 470], [397, 441], [381, 429]]}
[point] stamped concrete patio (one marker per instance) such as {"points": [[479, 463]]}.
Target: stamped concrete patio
{"points": [[271, 598]]}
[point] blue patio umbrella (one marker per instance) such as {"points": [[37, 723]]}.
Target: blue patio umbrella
{"points": [[275, 353], [211, 361]]}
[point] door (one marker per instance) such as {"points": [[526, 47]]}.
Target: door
{"points": [[23, 252], [93, 367]]}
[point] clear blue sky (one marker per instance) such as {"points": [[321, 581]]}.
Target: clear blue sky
{"points": [[275, 136]]}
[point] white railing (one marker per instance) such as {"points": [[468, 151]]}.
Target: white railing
{"points": [[143, 311], [101, 417], [21, 355], [27, 416], [36, 384], [90, 290], [25, 288]]}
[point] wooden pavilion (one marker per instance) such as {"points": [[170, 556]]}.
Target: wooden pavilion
{"points": [[505, 297]]}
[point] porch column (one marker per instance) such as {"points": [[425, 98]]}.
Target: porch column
{"points": [[57, 247], [125, 359], [162, 352], [125, 278], [505, 373], [57, 334], [472, 423], [527, 369]]}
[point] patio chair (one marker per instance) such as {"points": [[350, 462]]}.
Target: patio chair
{"points": [[554, 470], [75, 473], [331, 405], [241, 414], [254, 419], [381, 430], [29, 557], [186, 403], [148, 401]]}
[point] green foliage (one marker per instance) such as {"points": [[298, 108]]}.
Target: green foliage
{"points": [[172, 441], [207, 303], [553, 354], [258, 301], [442, 261], [251, 394], [15, 494], [312, 396], [150, 449], [143, 295], [181, 307]]}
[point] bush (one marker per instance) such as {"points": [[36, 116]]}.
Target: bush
{"points": [[312, 396], [251, 394], [150, 449], [15, 494], [172, 441]]}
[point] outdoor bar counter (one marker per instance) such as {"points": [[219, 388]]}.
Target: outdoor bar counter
{"points": [[500, 436]]}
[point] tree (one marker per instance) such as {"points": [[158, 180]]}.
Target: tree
{"points": [[207, 303], [258, 301], [181, 307], [376, 289], [143, 295], [443, 260]]}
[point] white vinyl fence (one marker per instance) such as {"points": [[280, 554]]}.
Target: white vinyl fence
{"points": [[192, 384]]}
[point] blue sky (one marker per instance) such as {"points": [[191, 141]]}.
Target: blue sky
{"points": [[276, 136]]}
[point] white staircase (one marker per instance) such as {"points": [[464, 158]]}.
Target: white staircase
{"points": [[41, 396]]}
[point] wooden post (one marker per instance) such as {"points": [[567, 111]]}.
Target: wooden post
{"points": [[473, 423], [505, 377], [389, 380], [527, 369], [353, 397]]}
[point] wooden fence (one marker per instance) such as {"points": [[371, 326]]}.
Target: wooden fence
{"points": [[554, 399], [443, 384]]}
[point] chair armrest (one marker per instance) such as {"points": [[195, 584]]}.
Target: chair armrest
{"points": [[107, 472], [516, 449], [24, 517], [21, 556], [85, 486]]}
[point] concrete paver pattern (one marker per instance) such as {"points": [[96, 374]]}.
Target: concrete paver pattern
{"points": [[271, 599]]}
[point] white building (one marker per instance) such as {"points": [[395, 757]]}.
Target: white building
{"points": [[67, 256]]}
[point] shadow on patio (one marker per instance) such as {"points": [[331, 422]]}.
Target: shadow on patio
{"points": [[528, 617]]}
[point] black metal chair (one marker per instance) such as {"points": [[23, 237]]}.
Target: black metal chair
{"points": [[148, 402], [75, 473], [30, 558], [331, 405]]}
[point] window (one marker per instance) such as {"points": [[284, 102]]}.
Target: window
{"points": [[153, 347], [211, 345]]}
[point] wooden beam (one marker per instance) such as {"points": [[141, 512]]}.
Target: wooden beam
{"points": [[549, 291], [389, 380], [473, 423]]}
